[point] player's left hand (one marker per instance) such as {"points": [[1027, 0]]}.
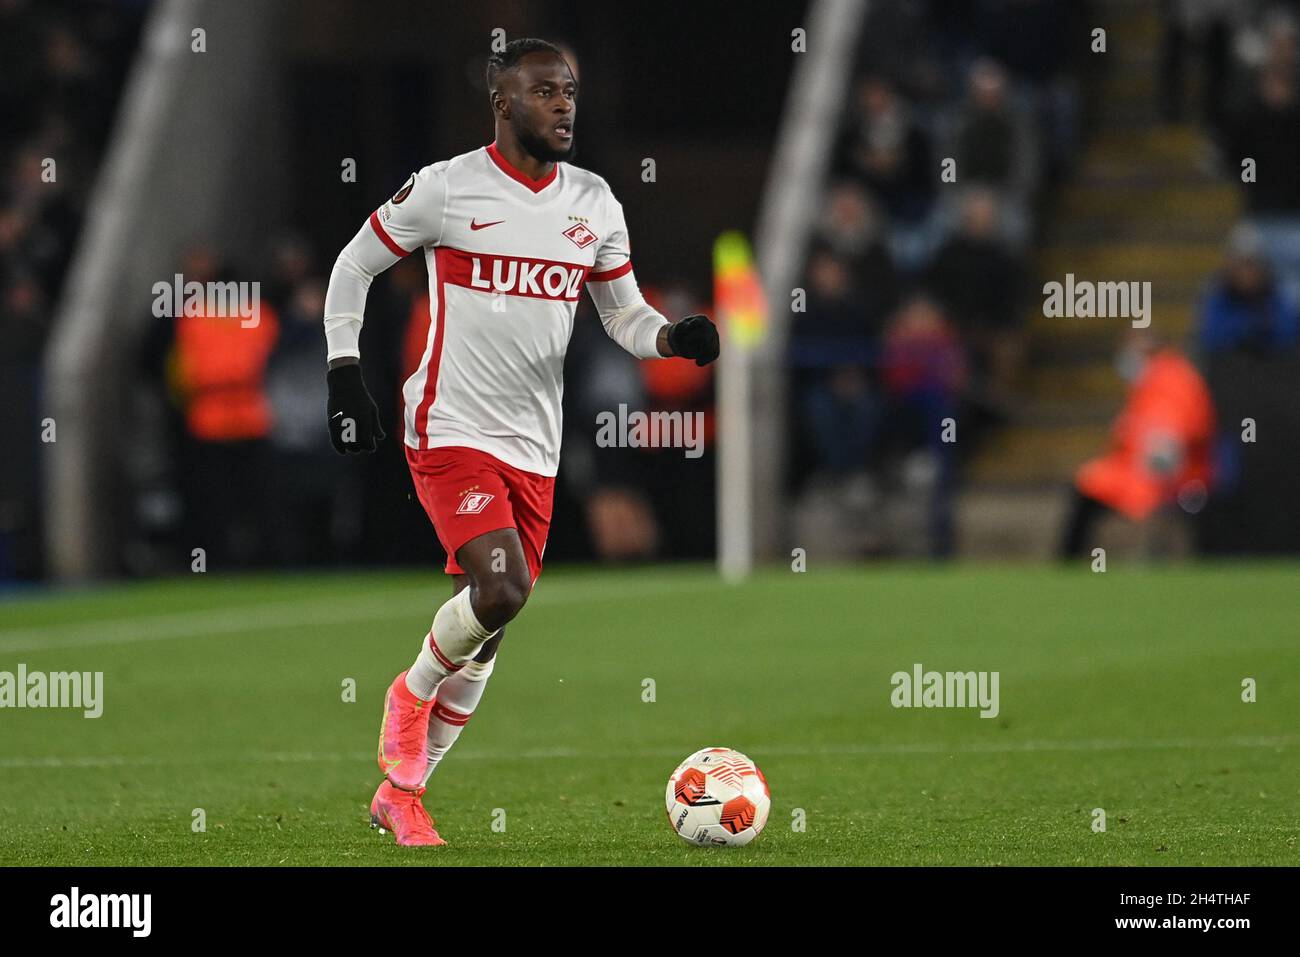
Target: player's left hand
{"points": [[695, 337]]}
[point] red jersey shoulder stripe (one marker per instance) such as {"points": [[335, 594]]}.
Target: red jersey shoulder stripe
{"points": [[384, 238], [609, 274]]}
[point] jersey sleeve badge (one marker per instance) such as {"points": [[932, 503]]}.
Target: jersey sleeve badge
{"points": [[404, 192]]}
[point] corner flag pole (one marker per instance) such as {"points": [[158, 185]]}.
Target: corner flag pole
{"points": [[741, 308]]}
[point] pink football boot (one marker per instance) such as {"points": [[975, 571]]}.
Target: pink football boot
{"points": [[402, 754], [402, 813]]}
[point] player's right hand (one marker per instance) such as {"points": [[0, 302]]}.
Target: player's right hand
{"points": [[353, 415]]}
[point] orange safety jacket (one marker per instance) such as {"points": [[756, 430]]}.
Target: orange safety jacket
{"points": [[221, 374], [1169, 407]]}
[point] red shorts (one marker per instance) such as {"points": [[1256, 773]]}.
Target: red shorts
{"points": [[468, 493]]}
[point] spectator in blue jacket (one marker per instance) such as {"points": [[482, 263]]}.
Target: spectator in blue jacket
{"points": [[1245, 308]]}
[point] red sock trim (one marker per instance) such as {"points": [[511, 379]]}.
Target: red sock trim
{"points": [[448, 716], [442, 659]]}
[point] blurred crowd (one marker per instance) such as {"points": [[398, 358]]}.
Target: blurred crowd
{"points": [[63, 69], [959, 117]]}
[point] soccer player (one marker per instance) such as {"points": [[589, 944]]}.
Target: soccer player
{"points": [[510, 234]]}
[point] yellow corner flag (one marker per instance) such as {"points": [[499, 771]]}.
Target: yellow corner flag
{"points": [[737, 292]]}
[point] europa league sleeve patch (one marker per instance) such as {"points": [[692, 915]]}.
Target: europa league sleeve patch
{"points": [[404, 192]]}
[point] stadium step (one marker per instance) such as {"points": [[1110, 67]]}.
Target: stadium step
{"points": [[1115, 261], [1027, 523], [1166, 153], [1011, 522], [1132, 27], [1146, 202], [1086, 382], [1035, 454], [1171, 316]]}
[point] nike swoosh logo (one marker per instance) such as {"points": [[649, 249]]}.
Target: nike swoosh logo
{"points": [[336, 415], [474, 225]]}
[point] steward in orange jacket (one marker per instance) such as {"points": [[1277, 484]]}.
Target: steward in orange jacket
{"points": [[219, 373], [1160, 444]]}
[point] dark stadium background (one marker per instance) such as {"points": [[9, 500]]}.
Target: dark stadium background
{"points": [[1119, 165]]}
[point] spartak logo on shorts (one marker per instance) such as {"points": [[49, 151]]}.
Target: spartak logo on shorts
{"points": [[474, 503]]}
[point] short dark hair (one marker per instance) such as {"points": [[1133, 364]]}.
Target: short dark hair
{"points": [[515, 51]]}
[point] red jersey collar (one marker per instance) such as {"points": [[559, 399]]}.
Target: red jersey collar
{"points": [[536, 185]]}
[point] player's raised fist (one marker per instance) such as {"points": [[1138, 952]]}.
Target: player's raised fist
{"points": [[353, 415], [695, 337]]}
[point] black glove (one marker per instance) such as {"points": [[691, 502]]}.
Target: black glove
{"points": [[353, 415], [695, 337]]}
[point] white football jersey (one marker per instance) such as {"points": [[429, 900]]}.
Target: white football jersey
{"points": [[508, 257]]}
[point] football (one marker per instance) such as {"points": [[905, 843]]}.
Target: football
{"points": [[718, 797]]}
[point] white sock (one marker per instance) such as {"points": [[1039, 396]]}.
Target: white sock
{"points": [[454, 639], [458, 696]]}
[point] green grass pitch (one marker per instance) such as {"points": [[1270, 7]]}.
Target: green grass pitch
{"points": [[1120, 691]]}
